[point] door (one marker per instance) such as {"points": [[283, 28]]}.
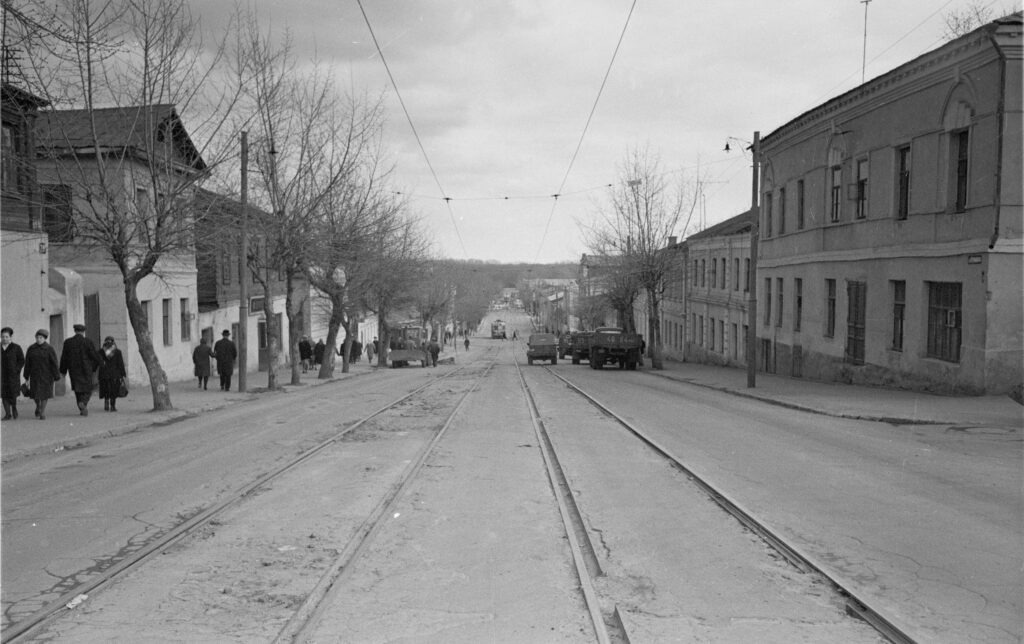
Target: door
{"points": [[856, 316], [57, 342]]}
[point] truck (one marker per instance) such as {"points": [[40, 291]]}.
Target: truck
{"points": [[579, 346], [542, 346], [612, 345]]}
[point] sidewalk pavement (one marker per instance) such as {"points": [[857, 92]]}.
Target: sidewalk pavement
{"points": [[64, 428]]}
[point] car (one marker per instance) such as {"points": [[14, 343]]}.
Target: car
{"points": [[542, 346]]}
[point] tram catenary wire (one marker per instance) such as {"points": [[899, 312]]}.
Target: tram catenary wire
{"points": [[855, 605], [28, 626]]}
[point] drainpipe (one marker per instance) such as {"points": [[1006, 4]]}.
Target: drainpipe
{"points": [[1001, 116]]}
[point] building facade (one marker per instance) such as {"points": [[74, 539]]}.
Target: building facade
{"points": [[890, 226]]}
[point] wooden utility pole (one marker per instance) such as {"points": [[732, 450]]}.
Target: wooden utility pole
{"points": [[752, 273], [243, 271]]}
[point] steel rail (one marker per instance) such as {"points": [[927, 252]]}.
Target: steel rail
{"points": [[307, 616], [29, 625], [855, 606], [570, 519]]}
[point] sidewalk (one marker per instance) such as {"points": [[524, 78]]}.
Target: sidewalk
{"points": [[853, 401], [64, 428]]}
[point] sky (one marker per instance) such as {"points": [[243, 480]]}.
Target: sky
{"points": [[500, 91]]}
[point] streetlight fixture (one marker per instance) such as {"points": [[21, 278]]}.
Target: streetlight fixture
{"points": [[755, 149]]}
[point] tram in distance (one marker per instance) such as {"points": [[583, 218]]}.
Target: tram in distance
{"points": [[497, 329]]}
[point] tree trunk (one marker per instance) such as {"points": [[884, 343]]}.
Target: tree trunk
{"points": [[273, 337], [333, 324], [654, 346], [296, 322], [140, 323]]}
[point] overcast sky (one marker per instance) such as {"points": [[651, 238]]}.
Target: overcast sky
{"points": [[500, 91]]}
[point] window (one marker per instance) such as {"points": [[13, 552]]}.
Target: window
{"points": [[57, 220], [746, 274], [778, 302], [700, 330], [721, 336], [696, 272], [782, 211], [711, 333], [142, 205], [767, 301], [736, 273], [9, 160], [703, 272], [856, 317], [735, 342], [830, 308], [693, 327], [714, 272], [944, 320], [899, 307], [961, 149], [798, 303], [721, 283], [862, 189], [767, 214], [186, 320], [166, 319], [836, 192], [225, 266], [903, 182], [801, 204]]}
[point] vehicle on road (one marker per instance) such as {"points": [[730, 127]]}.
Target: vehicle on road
{"points": [[408, 343], [612, 345], [497, 329], [542, 346], [579, 346]]}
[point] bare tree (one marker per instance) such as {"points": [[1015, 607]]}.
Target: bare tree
{"points": [[122, 165], [645, 211], [961, 21]]}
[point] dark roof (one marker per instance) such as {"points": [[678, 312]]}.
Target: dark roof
{"points": [[15, 95], [135, 128], [209, 200], [739, 224]]}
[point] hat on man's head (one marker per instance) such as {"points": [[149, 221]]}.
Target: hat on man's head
{"points": [[43, 332], [226, 332], [78, 327]]}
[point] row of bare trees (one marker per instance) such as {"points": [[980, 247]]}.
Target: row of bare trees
{"points": [[325, 214]]}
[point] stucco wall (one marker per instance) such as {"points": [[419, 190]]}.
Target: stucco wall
{"points": [[25, 284]]}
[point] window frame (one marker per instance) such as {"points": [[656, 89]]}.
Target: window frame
{"points": [[903, 169], [801, 204], [836, 193], [960, 156], [166, 310], [798, 303], [945, 340], [899, 313], [782, 210], [830, 308], [863, 169]]}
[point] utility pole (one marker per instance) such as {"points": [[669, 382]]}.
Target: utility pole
{"points": [[243, 272], [752, 273], [864, 54]]}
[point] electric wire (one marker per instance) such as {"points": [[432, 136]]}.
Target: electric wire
{"points": [[415, 134], [579, 145]]}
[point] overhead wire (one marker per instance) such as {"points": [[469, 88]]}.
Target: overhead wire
{"points": [[583, 134], [415, 134]]}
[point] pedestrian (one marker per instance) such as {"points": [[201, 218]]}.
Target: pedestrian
{"points": [[11, 364], [226, 353], [201, 363], [369, 353], [318, 352], [467, 343], [41, 371], [435, 350], [515, 334], [357, 350], [305, 353], [112, 372], [503, 336], [79, 360], [376, 347]]}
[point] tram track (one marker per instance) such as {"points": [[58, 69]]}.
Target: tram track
{"points": [[27, 627], [855, 606]]}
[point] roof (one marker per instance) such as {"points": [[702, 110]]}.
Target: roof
{"points": [[924, 61], [17, 96], [135, 128], [209, 200], [739, 224]]}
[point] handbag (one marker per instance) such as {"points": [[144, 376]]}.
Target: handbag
{"points": [[25, 390], [122, 388]]}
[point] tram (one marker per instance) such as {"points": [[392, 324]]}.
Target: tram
{"points": [[497, 329]]}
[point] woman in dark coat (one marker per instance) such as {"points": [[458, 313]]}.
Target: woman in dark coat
{"points": [[111, 371], [41, 371], [201, 359], [12, 360]]}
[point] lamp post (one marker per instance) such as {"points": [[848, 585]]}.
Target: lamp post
{"points": [[243, 273]]}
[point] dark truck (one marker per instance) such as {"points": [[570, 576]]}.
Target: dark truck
{"points": [[611, 345], [579, 347], [542, 346]]}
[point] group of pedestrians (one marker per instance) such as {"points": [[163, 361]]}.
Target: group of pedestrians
{"points": [[80, 360], [224, 352]]}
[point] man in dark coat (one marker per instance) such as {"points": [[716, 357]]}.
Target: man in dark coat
{"points": [[80, 359], [434, 350], [225, 352], [305, 354], [12, 359], [41, 371], [318, 352], [201, 363]]}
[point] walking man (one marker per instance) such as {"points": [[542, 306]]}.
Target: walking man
{"points": [[10, 372], [225, 353], [80, 359]]}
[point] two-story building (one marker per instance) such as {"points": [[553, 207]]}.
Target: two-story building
{"points": [[890, 226]]}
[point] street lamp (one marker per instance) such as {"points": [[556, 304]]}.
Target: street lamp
{"points": [[755, 149]]}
